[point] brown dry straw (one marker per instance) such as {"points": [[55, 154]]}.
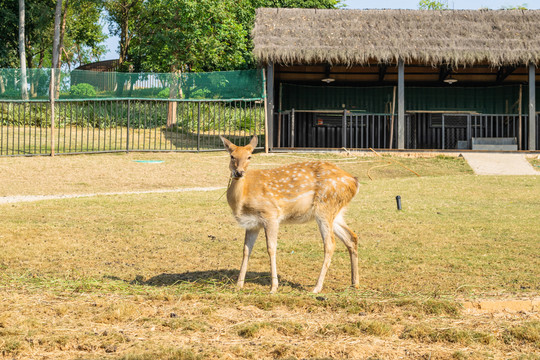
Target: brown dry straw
{"points": [[354, 37]]}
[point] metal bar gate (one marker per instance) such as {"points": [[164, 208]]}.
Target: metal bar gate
{"points": [[94, 126]]}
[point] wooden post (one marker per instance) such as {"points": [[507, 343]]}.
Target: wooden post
{"points": [[401, 105], [532, 106], [279, 116], [51, 101], [175, 92], [392, 119], [520, 110]]}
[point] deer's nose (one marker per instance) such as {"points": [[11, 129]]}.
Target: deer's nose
{"points": [[238, 174]]}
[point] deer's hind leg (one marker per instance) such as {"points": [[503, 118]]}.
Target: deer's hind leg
{"points": [[327, 234], [349, 238]]}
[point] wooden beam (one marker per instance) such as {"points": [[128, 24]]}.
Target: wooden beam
{"points": [[504, 72], [532, 107], [444, 72], [401, 106]]}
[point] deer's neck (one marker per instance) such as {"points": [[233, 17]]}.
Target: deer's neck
{"points": [[235, 194]]}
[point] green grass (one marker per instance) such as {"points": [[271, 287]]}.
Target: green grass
{"points": [[153, 275]]}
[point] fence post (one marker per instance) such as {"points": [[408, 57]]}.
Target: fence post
{"points": [[344, 129], [128, 119], [199, 126], [292, 128]]}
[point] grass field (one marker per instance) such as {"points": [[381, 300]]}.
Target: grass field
{"points": [[151, 276]]}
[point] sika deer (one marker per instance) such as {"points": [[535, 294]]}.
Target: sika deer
{"points": [[294, 193]]}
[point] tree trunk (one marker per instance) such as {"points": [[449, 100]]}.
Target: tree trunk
{"points": [[61, 46], [56, 48], [22, 52]]}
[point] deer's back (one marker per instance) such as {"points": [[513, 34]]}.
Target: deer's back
{"points": [[297, 192]]}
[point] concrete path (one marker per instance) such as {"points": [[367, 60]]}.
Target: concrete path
{"points": [[32, 198], [499, 164]]}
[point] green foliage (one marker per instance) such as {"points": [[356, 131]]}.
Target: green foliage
{"points": [[202, 35], [523, 6], [189, 35], [433, 5], [83, 90], [83, 32], [164, 93]]}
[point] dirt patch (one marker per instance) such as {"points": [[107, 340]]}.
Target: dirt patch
{"points": [[507, 305]]}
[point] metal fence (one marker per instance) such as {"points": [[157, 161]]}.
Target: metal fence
{"points": [[455, 131], [333, 129], [93, 126]]}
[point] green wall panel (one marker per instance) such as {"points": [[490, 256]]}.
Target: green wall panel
{"points": [[484, 100]]}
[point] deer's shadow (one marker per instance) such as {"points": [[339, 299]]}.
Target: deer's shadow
{"points": [[213, 277]]}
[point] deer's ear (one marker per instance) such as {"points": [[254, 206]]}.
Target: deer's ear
{"points": [[253, 142], [229, 146]]}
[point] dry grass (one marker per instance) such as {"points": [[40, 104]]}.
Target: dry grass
{"points": [[152, 276], [350, 37], [31, 140]]}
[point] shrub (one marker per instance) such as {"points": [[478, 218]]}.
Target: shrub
{"points": [[83, 90], [164, 93]]}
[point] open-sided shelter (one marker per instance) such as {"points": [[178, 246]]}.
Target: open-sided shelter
{"points": [[405, 79]]}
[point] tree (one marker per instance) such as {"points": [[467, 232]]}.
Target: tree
{"points": [[22, 52], [55, 73], [194, 35], [433, 5], [523, 6], [123, 17], [9, 25], [83, 33]]}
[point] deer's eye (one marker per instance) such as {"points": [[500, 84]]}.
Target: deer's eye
{"points": [[232, 157], [249, 157]]}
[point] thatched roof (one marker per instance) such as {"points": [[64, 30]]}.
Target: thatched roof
{"points": [[355, 37]]}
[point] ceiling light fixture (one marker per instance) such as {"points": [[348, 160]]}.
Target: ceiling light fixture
{"points": [[450, 80], [328, 80]]}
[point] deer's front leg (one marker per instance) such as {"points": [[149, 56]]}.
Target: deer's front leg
{"points": [[271, 230], [327, 233], [249, 242]]}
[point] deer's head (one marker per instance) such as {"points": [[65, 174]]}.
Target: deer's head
{"points": [[240, 156]]}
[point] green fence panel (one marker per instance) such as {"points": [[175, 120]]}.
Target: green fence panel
{"points": [[82, 84]]}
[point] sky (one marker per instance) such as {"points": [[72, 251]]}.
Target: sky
{"points": [[453, 4], [112, 42]]}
